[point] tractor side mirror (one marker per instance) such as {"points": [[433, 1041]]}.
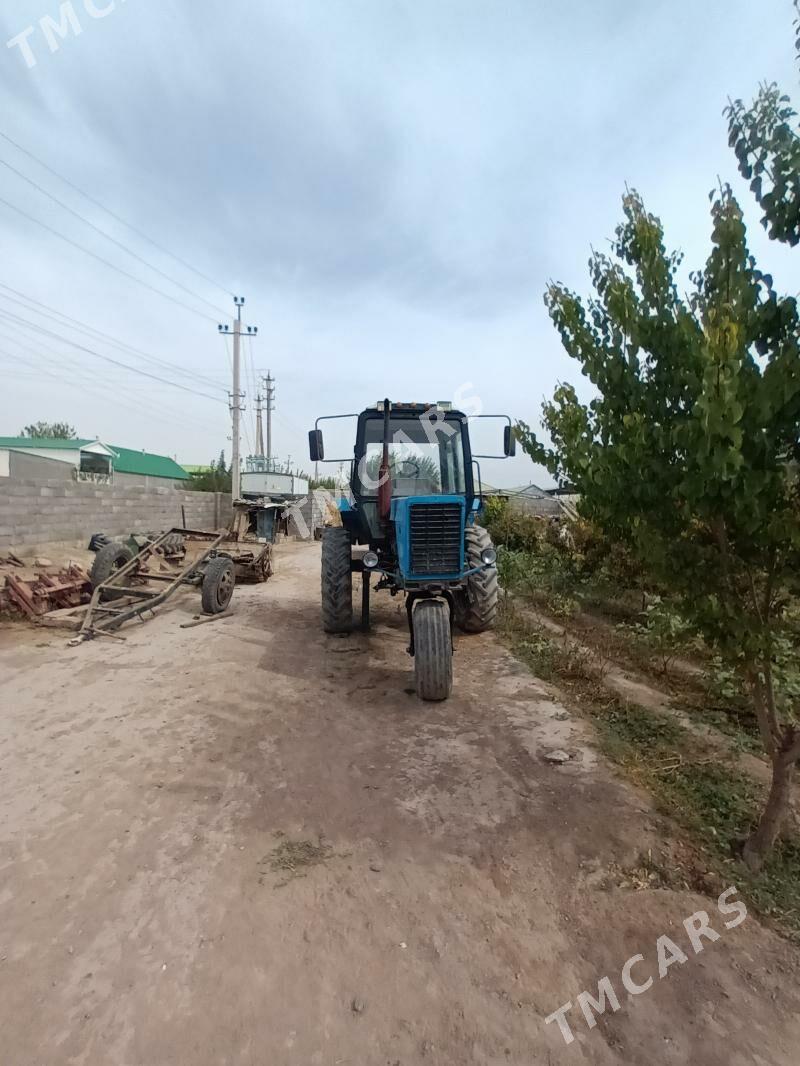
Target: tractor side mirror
{"points": [[316, 449], [509, 442]]}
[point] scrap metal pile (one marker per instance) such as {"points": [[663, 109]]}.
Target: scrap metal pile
{"points": [[36, 596]]}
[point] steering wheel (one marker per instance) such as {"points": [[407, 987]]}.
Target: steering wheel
{"points": [[407, 462]]}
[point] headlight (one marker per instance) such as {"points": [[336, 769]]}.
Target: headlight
{"points": [[370, 560], [489, 556]]}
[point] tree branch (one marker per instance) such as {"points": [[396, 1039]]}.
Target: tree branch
{"points": [[770, 585], [792, 753], [765, 723], [772, 713], [754, 594]]}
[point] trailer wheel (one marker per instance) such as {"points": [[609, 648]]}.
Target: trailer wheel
{"points": [[218, 582], [337, 581], [476, 607], [433, 650], [110, 558]]}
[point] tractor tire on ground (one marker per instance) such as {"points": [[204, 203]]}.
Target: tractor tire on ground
{"points": [[433, 650], [337, 581], [218, 582], [110, 558], [476, 607]]}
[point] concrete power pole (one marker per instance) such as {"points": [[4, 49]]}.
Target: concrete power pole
{"points": [[236, 396], [236, 478], [269, 385], [259, 428]]}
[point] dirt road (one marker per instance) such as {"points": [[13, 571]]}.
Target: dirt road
{"points": [[248, 843]]}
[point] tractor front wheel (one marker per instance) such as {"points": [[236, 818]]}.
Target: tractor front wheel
{"points": [[337, 581], [476, 606], [433, 650]]}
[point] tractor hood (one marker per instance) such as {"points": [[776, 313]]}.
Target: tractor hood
{"points": [[429, 531]]}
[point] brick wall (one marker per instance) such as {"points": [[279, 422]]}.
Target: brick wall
{"points": [[55, 509]]}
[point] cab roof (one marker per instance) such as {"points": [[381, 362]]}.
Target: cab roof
{"points": [[415, 408]]}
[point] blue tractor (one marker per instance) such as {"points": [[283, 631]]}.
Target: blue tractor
{"points": [[412, 507]]}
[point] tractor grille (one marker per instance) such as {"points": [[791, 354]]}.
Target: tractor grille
{"points": [[436, 538]]}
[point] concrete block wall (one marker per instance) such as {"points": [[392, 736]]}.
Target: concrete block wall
{"points": [[545, 506], [36, 512], [23, 464], [307, 514]]}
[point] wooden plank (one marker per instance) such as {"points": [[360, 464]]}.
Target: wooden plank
{"points": [[209, 618], [65, 612], [72, 622]]}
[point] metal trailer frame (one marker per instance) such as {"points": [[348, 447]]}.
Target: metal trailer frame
{"points": [[113, 617]]}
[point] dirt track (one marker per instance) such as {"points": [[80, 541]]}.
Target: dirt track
{"points": [[152, 792]]}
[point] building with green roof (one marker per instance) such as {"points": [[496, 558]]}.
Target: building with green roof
{"points": [[128, 461], [91, 459]]}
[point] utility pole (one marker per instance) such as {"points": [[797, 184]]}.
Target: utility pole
{"points": [[269, 385], [236, 396], [259, 427]]}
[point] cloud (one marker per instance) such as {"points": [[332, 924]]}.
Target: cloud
{"points": [[391, 184]]}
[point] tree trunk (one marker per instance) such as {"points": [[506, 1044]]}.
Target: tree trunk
{"points": [[761, 842]]}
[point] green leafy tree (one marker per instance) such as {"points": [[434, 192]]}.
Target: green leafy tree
{"points": [[50, 430], [216, 479], [766, 139], [328, 483], [686, 451]]}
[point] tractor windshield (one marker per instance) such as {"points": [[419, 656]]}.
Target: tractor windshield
{"points": [[424, 460]]}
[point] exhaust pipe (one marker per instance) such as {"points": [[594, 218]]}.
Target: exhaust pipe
{"points": [[384, 480]]}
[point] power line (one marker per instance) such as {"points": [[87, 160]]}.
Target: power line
{"points": [[253, 377], [108, 236], [118, 218], [106, 358], [168, 367], [106, 262], [83, 327], [49, 355], [57, 317], [70, 362], [111, 395], [84, 386], [253, 393]]}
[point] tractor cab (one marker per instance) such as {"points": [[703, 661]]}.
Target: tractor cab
{"points": [[428, 458], [413, 503]]}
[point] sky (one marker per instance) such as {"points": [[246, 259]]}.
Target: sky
{"points": [[390, 184]]}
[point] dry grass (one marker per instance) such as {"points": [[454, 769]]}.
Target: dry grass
{"points": [[292, 858], [703, 793]]}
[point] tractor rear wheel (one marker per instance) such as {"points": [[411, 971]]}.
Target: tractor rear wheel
{"points": [[476, 606], [337, 581], [433, 650]]}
